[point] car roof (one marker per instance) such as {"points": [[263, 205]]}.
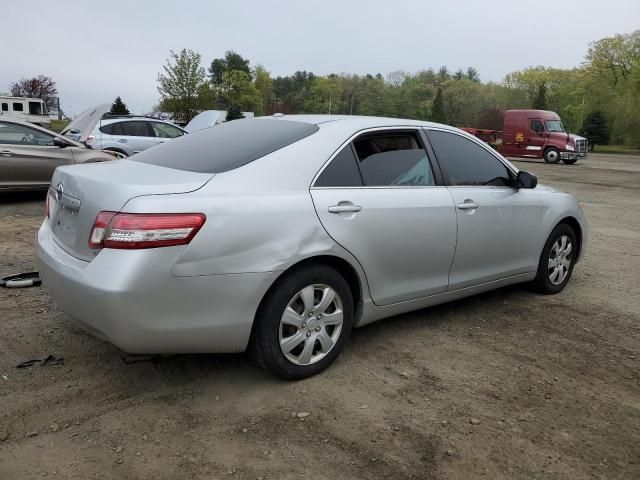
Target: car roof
{"points": [[359, 122], [124, 118]]}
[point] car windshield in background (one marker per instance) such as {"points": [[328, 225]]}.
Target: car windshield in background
{"points": [[554, 125], [227, 146]]}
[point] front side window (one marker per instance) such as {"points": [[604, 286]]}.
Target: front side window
{"points": [[134, 129], [164, 130], [536, 126], [35, 108], [554, 125], [394, 158], [14, 134], [17, 107], [466, 163]]}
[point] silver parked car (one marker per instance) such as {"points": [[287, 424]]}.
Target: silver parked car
{"points": [[29, 154], [123, 134], [279, 235]]}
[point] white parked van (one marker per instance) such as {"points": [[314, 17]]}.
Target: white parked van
{"points": [[32, 110]]}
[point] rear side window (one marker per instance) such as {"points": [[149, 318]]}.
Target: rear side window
{"points": [[466, 163], [342, 171], [5, 107], [135, 129], [393, 159], [17, 107], [227, 146]]}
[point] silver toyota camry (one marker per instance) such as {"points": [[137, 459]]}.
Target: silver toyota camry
{"points": [[279, 235]]}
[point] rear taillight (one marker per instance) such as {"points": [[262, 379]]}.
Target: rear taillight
{"points": [[142, 230]]}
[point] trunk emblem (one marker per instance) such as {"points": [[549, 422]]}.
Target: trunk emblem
{"points": [[59, 191]]}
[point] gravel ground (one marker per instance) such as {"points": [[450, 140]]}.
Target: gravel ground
{"points": [[503, 385]]}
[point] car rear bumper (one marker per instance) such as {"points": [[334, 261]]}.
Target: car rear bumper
{"points": [[130, 298]]}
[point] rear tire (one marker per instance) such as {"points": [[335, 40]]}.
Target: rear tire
{"points": [[557, 260], [290, 336], [552, 155]]}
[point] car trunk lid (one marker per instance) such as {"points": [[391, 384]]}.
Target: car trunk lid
{"points": [[78, 193]]}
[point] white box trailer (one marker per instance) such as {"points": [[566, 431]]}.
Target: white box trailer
{"points": [[32, 110]]}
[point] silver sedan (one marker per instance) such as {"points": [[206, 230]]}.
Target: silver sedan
{"points": [[279, 235]]}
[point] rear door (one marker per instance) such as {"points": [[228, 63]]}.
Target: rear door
{"points": [[379, 198], [28, 156], [499, 226], [137, 135]]}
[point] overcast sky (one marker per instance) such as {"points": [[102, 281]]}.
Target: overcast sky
{"points": [[98, 50]]}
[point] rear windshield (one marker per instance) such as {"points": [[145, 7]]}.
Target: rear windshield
{"points": [[227, 146]]}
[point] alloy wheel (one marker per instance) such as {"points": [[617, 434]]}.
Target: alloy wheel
{"points": [[560, 259]]}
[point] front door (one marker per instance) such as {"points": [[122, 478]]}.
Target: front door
{"points": [[535, 138], [378, 198], [499, 226], [137, 135], [28, 156]]}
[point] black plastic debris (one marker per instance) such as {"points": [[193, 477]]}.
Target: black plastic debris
{"points": [[47, 361]]}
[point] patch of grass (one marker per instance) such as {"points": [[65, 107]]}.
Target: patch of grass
{"points": [[58, 125], [616, 149]]}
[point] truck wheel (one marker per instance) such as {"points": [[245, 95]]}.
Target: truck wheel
{"points": [[569, 161], [552, 155]]}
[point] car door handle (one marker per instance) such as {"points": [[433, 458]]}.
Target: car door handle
{"points": [[6, 153], [344, 209], [468, 205], [122, 140]]}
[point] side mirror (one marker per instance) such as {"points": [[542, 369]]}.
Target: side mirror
{"points": [[61, 142], [526, 180]]}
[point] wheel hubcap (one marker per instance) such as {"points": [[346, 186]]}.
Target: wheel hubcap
{"points": [[560, 260], [311, 324], [552, 156]]}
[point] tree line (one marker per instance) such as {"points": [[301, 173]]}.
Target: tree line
{"points": [[606, 86]]}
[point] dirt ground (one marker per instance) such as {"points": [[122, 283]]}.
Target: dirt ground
{"points": [[505, 385]]}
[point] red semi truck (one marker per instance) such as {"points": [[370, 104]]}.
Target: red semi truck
{"points": [[534, 134]]}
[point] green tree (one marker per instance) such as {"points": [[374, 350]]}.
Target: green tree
{"points": [[181, 84], [540, 102], [437, 110], [264, 86], [118, 107], [239, 91], [231, 61], [596, 129], [233, 113], [472, 74]]}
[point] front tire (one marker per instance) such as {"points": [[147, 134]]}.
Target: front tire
{"points": [[303, 323], [552, 155], [557, 260]]}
